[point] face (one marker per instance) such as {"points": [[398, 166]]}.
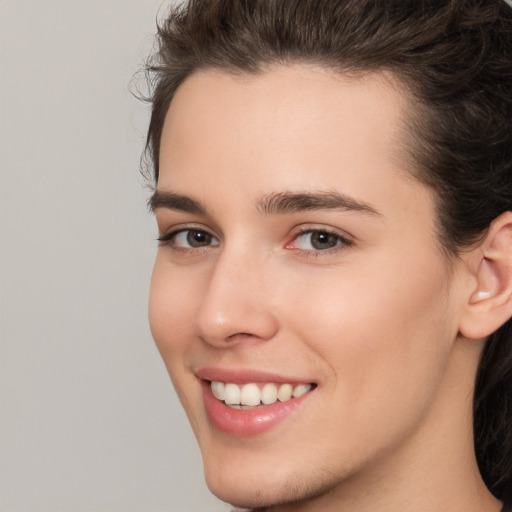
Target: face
{"points": [[299, 276]]}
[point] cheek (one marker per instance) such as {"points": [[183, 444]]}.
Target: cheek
{"points": [[172, 307], [385, 336]]}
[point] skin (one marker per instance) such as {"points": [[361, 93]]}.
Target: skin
{"points": [[374, 322]]}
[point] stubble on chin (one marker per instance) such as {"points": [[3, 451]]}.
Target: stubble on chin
{"points": [[297, 492]]}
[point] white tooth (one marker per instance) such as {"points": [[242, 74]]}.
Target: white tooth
{"points": [[300, 390], [232, 394], [285, 392], [250, 395], [269, 394], [218, 389]]}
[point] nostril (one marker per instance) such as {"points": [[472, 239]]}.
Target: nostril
{"points": [[237, 335]]}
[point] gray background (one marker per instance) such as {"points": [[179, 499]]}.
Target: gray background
{"points": [[88, 418]]}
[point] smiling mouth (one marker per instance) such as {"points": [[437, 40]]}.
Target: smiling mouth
{"points": [[252, 395]]}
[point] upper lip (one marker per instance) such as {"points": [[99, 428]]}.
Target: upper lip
{"points": [[245, 376]]}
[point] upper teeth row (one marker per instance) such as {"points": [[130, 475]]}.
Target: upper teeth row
{"points": [[251, 394]]}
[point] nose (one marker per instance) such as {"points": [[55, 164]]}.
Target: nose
{"points": [[236, 306]]}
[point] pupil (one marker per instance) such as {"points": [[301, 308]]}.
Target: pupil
{"points": [[323, 240], [198, 238]]}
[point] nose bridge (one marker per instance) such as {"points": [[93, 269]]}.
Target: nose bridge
{"points": [[236, 304]]}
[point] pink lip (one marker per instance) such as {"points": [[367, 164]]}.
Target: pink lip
{"points": [[246, 422]]}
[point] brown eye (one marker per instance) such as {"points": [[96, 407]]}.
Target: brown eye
{"points": [[188, 239], [322, 240], [318, 240], [196, 238]]}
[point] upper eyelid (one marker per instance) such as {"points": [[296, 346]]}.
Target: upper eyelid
{"points": [[176, 228], [329, 232], [167, 223], [312, 228]]}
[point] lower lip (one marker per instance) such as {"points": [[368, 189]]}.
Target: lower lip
{"points": [[247, 422]]}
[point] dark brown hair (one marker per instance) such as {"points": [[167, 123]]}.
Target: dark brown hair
{"points": [[454, 56]]}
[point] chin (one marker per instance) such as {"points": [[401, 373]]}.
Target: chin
{"points": [[255, 494], [242, 485], [249, 488]]}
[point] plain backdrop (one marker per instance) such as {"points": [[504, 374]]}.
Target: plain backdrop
{"points": [[89, 421]]}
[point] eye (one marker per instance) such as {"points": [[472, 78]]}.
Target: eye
{"points": [[318, 240], [189, 239]]}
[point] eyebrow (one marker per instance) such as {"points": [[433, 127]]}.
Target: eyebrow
{"points": [[178, 202], [293, 202], [272, 204]]}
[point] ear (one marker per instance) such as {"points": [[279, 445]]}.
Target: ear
{"points": [[489, 301]]}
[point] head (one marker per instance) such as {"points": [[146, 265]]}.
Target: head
{"points": [[440, 71]]}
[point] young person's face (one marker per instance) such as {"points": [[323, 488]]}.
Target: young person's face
{"points": [[300, 251]]}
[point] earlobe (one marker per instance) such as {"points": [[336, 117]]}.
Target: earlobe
{"points": [[489, 304]]}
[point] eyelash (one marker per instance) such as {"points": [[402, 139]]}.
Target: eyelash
{"points": [[169, 239], [342, 242]]}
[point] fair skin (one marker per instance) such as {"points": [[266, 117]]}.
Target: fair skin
{"points": [[344, 288]]}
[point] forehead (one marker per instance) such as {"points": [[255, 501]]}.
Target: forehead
{"points": [[283, 107], [286, 128]]}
